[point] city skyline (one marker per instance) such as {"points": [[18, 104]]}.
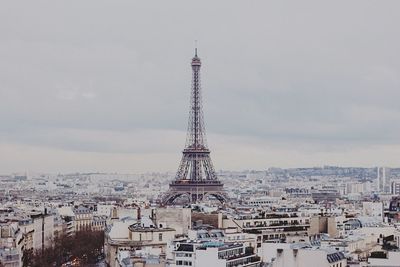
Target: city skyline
{"points": [[280, 89]]}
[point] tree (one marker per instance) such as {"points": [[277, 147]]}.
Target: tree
{"points": [[84, 246]]}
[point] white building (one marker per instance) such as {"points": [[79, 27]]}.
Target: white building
{"points": [[43, 234], [395, 188], [215, 254], [373, 209], [11, 242], [104, 210], [392, 259], [383, 180], [131, 235], [300, 255]]}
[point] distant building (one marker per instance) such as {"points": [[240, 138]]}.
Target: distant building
{"points": [[395, 188], [261, 201], [83, 218], [355, 188], [373, 209], [298, 192], [325, 194], [323, 225], [99, 223], [383, 180]]}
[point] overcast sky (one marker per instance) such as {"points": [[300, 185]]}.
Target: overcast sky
{"points": [[105, 85]]}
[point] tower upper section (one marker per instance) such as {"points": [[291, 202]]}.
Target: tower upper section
{"points": [[196, 138], [196, 62]]}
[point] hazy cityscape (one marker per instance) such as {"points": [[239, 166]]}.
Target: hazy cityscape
{"points": [[289, 157], [327, 216]]}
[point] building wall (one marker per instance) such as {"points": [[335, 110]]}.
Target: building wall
{"points": [[332, 227], [138, 239], [393, 260], [395, 188], [323, 224], [176, 218], [269, 222], [153, 236], [397, 238], [206, 218], [28, 233], [209, 257], [373, 209], [83, 221], [43, 234], [11, 244], [281, 255], [104, 210]]}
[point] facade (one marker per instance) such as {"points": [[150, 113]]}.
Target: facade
{"points": [[390, 259], [132, 236], [395, 188], [270, 226], [83, 218], [176, 218], [325, 194], [323, 225], [261, 201], [138, 259], [22, 232], [226, 255], [185, 254], [11, 244], [99, 223], [373, 209], [43, 230], [214, 253], [383, 180], [355, 188], [104, 210]]}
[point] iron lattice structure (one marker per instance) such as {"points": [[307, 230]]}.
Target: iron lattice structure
{"points": [[196, 177]]}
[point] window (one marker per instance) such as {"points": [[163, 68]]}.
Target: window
{"points": [[159, 237], [185, 263]]}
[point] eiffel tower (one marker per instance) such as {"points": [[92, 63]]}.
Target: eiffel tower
{"points": [[196, 178]]}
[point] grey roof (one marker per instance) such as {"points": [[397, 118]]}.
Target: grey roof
{"points": [[334, 257]]}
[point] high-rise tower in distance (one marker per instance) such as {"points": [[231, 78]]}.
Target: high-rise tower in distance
{"points": [[196, 178]]}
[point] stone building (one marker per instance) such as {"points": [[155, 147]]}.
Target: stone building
{"points": [[132, 235]]}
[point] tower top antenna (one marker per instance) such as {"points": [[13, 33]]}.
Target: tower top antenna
{"points": [[195, 49]]}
